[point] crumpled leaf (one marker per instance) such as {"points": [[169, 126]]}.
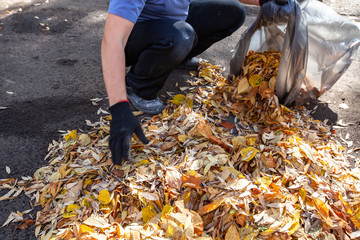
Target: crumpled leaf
{"points": [[71, 135]]}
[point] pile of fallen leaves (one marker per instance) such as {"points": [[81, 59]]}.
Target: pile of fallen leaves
{"points": [[225, 161]]}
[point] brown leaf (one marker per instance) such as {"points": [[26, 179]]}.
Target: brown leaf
{"points": [[232, 233], [227, 125], [191, 181], [168, 145], [197, 223], [268, 161], [27, 223], [204, 129], [240, 107]]}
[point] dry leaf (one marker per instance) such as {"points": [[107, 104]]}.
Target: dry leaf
{"points": [[232, 233], [104, 197]]}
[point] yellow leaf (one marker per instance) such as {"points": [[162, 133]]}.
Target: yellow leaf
{"points": [[302, 194], [232, 233], [255, 80], [104, 197], [86, 229], [88, 181], [148, 213], [248, 153], [187, 197], [166, 210], [190, 103], [207, 74], [243, 86], [265, 182], [251, 236], [178, 99], [251, 139], [69, 215], [143, 162], [71, 135], [40, 173], [72, 208], [295, 226]]}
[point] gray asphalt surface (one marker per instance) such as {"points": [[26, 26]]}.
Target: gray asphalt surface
{"points": [[48, 76]]}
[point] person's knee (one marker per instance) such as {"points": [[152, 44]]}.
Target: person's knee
{"points": [[238, 13], [184, 39]]}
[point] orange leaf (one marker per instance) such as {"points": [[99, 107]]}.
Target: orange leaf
{"points": [[153, 127], [227, 125], [211, 207], [218, 141], [191, 181], [323, 211]]}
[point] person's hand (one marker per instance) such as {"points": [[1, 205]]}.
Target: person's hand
{"points": [[279, 2], [122, 127], [272, 11]]}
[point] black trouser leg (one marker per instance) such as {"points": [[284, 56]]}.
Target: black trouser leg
{"points": [[154, 49], [214, 20]]}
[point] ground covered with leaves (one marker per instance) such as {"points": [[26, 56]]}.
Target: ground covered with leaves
{"points": [[225, 161]]}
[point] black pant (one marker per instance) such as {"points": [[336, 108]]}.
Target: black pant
{"points": [[156, 47]]}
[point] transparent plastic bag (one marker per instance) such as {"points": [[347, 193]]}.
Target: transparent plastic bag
{"points": [[317, 46]]}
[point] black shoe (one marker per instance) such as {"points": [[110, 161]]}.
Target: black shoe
{"points": [[154, 106], [191, 64]]}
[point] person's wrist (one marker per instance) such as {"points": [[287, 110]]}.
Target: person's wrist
{"points": [[120, 109]]}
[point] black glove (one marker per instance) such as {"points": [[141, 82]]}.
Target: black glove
{"points": [[279, 2], [123, 125], [274, 12]]}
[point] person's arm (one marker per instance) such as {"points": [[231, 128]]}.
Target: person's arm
{"points": [[250, 2], [123, 123], [116, 33]]}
